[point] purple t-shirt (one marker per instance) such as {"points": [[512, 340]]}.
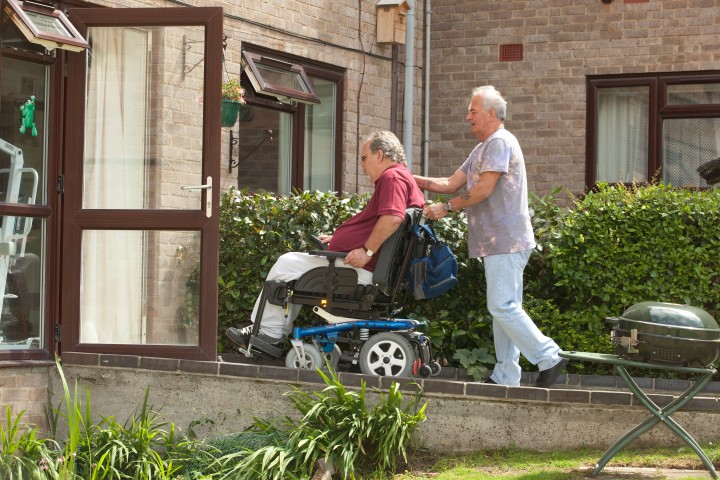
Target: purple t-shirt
{"points": [[395, 191], [500, 223]]}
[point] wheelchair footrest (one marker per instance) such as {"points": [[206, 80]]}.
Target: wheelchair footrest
{"points": [[257, 342]]}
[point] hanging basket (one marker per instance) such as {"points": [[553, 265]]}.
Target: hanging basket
{"points": [[246, 113], [229, 113]]}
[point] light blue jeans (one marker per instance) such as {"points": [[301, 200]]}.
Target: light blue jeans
{"points": [[513, 330]]}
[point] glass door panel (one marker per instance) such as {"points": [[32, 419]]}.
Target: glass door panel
{"points": [[140, 287], [23, 170], [144, 141]]}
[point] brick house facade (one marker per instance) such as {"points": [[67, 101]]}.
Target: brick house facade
{"points": [[563, 42], [539, 55]]}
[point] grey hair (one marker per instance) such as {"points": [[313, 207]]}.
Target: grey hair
{"points": [[492, 100], [388, 143]]}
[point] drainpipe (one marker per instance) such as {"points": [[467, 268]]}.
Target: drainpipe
{"points": [[426, 85], [394, 90], [409, 83]]}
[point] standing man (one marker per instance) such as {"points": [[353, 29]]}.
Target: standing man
{"points": [[383, 160], [500, 235]]}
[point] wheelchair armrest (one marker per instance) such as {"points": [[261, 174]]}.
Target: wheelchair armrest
{"points": [[328, 254], [319, 243]]}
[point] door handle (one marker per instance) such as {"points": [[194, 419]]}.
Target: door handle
{"points": [[208, 196]]}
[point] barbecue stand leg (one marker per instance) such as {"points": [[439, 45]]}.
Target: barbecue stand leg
{"points": [[659, 415]]}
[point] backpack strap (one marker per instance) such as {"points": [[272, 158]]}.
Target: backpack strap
{"points": [[426, 230]]}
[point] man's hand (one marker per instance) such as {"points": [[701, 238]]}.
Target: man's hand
{"points": [[357, 258], [435, 211], [325, 238]]}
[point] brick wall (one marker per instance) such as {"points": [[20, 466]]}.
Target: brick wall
{"points": [[25, 389], [563, 42], [335, 33]]}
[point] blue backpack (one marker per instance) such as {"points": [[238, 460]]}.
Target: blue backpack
{"points": [[436, 272]]}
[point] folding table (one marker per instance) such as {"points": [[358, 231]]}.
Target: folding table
{"points": [[659, 414]]}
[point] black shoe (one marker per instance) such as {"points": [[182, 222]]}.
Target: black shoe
{"points": [[489, 381], [262, 343], [239, 336], [549, 376]]}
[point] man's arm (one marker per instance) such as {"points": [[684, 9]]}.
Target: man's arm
{"points": [[479, 192], [385, 226], [442, 184]]}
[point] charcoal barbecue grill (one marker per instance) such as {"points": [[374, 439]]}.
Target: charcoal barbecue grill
{"points": [[660, 336], [666, 333]]}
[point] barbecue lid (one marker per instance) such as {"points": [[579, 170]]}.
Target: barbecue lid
{"points": [[671, 314], [682, 321]]}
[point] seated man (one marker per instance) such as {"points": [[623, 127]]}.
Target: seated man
{"points": [[383, 160]]}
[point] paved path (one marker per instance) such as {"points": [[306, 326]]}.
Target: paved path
{"points": [[625, 473]]}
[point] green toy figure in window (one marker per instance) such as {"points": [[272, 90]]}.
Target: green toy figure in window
{"points": [[28, 116]]}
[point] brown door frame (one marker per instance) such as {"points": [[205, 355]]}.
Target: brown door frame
{"points": [[77, 219]]}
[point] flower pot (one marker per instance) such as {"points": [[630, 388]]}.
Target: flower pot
{"points": [[229, 113]]}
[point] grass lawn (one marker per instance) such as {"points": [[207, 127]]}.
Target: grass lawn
{"points": [[511, 464]]}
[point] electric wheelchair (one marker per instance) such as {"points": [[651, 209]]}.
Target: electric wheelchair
{"points": [[360, 325]]}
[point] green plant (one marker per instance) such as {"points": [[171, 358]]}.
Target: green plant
{"points": [[475, 361], [22, 453], [140, 449], [621, 245], [337, 426], [233, 91]]}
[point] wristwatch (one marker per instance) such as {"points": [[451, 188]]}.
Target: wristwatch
{"points": [[368, 252], [448, 207]]}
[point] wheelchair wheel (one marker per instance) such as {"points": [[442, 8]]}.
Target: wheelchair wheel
{"points": [[387, 354], [333, 358], [313, 358]]}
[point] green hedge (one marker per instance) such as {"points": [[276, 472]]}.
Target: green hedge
{"points": [[606, 251]]}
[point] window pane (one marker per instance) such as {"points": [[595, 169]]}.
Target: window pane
{"points": [[22, 282], [702, 94], [21, 81], [143, 140], [622, 137], [264, 151], [282, 78], [319, 169], [23, 172], [140, 287], [49, 25], [687, 144]]}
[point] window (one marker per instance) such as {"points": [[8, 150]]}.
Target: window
{"points": [[652, 128], [303, 150], [284, 80], [44, 25]]}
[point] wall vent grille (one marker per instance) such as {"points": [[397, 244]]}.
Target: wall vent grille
{"points": [[511, 52]]}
